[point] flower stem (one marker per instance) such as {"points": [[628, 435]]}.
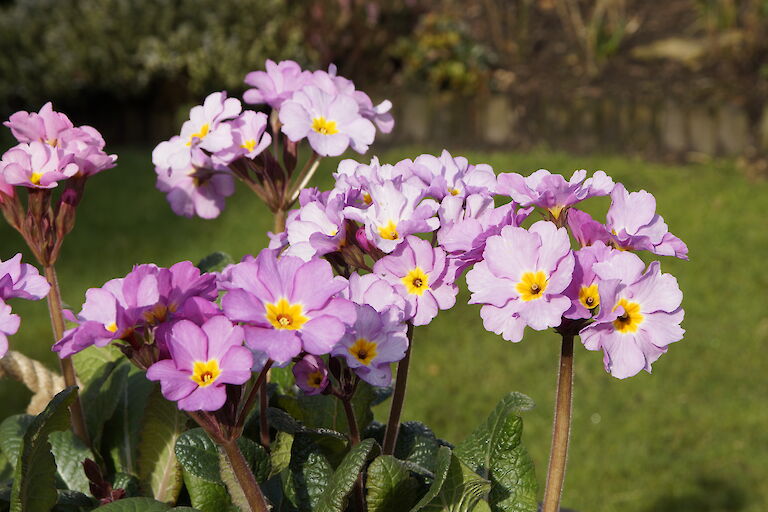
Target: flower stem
{"points": [[67, 368], [258, 386], [245, 478], [280, 221], [354, 439], [561, 429], [301, 181], [393, 424]]}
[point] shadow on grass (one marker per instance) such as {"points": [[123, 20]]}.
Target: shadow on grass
{"points": [[707, 494]]}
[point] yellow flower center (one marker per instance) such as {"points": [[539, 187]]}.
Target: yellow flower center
{"points": [[35, 178], [454, 191], [363, 350], [416, 281], [205, 373], [285, 315], [315, 379], [324, 126], [111, 327], [52, 142], [589, 296], [199, 135], [367, 199], [532, 285], [249, 145], [389, 231], [556, 211], [631, 319]]}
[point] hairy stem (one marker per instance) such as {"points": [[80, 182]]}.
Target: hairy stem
{"points": [[398, 397], [258, 386], [561, 428], [301, 181], [354, 439], [67, 368], [245, 478]]}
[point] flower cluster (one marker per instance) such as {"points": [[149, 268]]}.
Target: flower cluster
{"points": [[17, 280]]}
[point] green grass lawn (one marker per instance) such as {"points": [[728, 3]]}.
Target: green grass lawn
{"points": [[690, 437]]}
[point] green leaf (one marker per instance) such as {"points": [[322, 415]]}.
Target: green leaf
{"points": [[70, 452], [257, 458], [390, 485], [207, 496], [280, 453], [121, 432], [343, 479], [159, 471], [198, 455], [99, 395], [496, 452], [307, 476], [12, 431], [416, 443], [442, 464], [215, 262], [462, 489], [34, 478], [6, 469], [89, 362], [135, 505]]}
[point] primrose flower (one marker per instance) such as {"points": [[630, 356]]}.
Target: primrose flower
{"points": [[522, 278], [635, 225], [311, 375], [249, 137], [354, 179], [374, 342], [396, 211], [36, 165], [21, 280], [44, 126], [375, 291], [200, 189], [639, 317], [447, 175], [585, 229], [207, 128], [9, 325], [584, 289], [276, 84], [551, 191], [288, 305], [419, 273], [203, 359], [317, 229], [331, 123]]}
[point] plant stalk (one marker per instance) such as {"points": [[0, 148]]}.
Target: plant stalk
{"points": [[67, 368], [245, 478], [398, 397], [354, 440], [561, 430]]}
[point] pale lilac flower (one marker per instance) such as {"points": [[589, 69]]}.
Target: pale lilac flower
{"points": [[21, 280], [288, 305], [584, 290], [585, 229], [465, 225], [639, 317], [522, 278], [276, 84], [86, 145], [354, 180], [419, 273], [551, 191], [200, 189], [374, 342], [44, 126], [37, 165], [6, 189], [375, 291], [635, 225], [249, 137], [311, 375], [318, 228], [447, 175], [9, 325], [396, 211], [203, 359], [331, 123]]}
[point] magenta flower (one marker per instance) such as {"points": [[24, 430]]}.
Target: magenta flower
{"points": [[396, 211], [331, 123], [21, 280], [9, 325], [200, 189], [584, 289], [522, 278], [311, 375], [374, 342], [203, 359], [418, 272], [288, 305], [639, 317], [634, 224], [447, 175], [551, 191], [44, 126], [276, 84], [37, 165]]}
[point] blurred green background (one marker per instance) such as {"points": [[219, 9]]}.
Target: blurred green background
{"points": [[690, 437]]}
